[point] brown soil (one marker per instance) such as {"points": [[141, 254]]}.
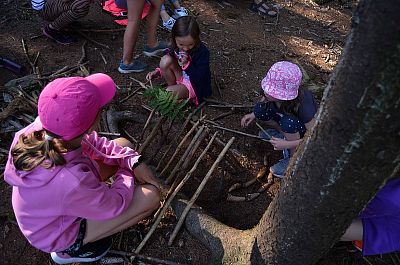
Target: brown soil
{"points": [[243, 46]]}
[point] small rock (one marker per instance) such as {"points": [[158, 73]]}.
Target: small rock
{"points": [[272, 13], [226, 53], [180, 243]]}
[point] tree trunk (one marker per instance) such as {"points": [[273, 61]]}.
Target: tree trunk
{"points": [[350, 152]]}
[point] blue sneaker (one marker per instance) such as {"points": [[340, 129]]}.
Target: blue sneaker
{"points": [[135, 67], [155, 51], [279, 169]]}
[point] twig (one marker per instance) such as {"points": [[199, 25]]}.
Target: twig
{"points": [[234, 131], [177, 189], [130, 95], [109, 134], [140, 83], [130, 137], [152, 134], [223, 115], [144, 258], [183, 157], [179, 147], [197, 193], [92, 40], [145, 127], [104, 58], [264, 131], [217, 84], [83, 57], [36, 58], [102, 30], [25, 49], [189, 157], [231, 106], [175, 140]]}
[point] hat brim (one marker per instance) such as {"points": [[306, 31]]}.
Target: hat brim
{"points": [[105, 85]]}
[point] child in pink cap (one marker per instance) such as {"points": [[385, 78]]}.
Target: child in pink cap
{"points": [[287, 108], [57, 167]]}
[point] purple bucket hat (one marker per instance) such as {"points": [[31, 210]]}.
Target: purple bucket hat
{"points": [[282, 81]]}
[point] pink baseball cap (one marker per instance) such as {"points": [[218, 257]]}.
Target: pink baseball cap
{"points": [[282, 81], [68, 106]]}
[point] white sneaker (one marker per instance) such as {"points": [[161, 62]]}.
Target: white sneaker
{"points": [[169, 23], [181, 12]]}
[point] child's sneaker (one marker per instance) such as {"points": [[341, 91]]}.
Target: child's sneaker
{"points": [[135, 67], [155, 51], [58, 35], [87, 253], [169, 23], [181, 12], [279, 169]]}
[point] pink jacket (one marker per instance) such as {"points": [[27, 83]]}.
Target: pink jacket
{"points": [[48, 203]]}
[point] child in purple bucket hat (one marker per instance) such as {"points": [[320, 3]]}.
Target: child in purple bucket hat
{"points": [[58, 166], [287, 108]]}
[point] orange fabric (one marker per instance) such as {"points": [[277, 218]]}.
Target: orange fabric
{"points": [[112, 8], [358, 244]]}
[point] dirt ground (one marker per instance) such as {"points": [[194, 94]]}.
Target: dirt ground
{"points": [[243, 46]]}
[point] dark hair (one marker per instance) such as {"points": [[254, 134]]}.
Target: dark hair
{"points": [[292, 106], [34, 150], [185, 26]]}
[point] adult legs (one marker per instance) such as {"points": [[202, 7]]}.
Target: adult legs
{"points": [[135, 8], [152, 22]]}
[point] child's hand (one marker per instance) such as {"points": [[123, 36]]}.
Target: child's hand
{"points": [[183, 58], [279, 144], [152, 75], [247, 119]]}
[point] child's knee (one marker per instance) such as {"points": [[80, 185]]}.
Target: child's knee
{"points": [[153, 197], [290, 124], [124, 142], [166, 61], [81, 8]]}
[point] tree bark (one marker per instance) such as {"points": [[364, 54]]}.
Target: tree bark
{"points": [[350, 152]]}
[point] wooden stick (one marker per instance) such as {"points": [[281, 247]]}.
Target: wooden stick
{"points": [[231, 106], [175, 140], [130, 95], [144, 258], [109, 133], [264, 131], [92, 40], [178, 188], [130, 137], [36, 58], [102, 30], [223, 115], [197, 193], [234, 131], [152, 134], [104, 58], [83, 57], [179, 147], [183, 157], [145, 127], [217, 84], [140, 83], [25, 49], [189, 157]]}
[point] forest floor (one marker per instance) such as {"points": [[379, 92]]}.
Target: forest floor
{"points": [[243, 46]]}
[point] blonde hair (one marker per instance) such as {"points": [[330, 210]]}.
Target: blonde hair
{"points": [[35, 150]]}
